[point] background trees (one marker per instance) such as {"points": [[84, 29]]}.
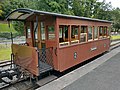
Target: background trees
{"points": [[86, 8]]}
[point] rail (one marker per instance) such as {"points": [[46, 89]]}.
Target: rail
{"points": [[5, 63]]}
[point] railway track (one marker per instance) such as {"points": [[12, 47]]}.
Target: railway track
{"points": [[25, 84], [5, 63]]}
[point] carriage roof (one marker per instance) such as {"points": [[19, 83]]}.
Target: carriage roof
{"points": [[23, 13]]}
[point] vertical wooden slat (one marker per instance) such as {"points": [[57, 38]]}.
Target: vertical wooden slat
{"points": [[25, 29], [32, 33], [56, 31], [102, 31], [39, 35], [107, 31], [46, 32], [93, 32], [69, 34], [98, 28], [87, 34], [56, 62], [79, 29], [63, 33]]}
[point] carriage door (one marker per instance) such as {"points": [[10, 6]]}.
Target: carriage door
{"points": [[36, 34], [42, 32], [39, 35]]}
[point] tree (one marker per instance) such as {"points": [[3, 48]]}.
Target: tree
{"points": [[86, 8], [10, 5], [116, 19], [57, 6], [92, 9], [1, 11], [103, 10]]}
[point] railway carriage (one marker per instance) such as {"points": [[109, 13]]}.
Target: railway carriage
{"points": [[57, 41]]}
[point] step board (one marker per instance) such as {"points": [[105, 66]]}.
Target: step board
{"points": [[44, 67], [46, 80]]}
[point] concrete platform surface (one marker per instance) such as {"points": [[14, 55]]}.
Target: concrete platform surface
{"points": [[100, 74], [115, 42], [104, 77]]}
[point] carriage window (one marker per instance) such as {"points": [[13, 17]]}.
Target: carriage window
{"points": [[51, 32], [28, 31], [36, 33], [36, 30], [74, 34], [83, 34], [63, 35], [42, 31], [90, 33], [109, 31], [105, 31], [95, 32], [100, 32]]}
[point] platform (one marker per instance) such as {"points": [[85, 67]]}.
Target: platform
{"points": [[100, 74], [104, 77], [114, 42]]}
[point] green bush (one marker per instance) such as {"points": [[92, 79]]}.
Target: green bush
{"points": [[8, 35]]}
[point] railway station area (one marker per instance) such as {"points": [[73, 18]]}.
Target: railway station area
{"points": [[61, 52]]}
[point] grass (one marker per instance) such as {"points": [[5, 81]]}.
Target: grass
{"points": [[4, 28], [5, 52], [115, 37]]}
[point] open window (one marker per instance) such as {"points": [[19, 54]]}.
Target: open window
{"points": [[90, 33], [83, 34], [28, 30], [29, 33], [42, 36], [100, 32], [104, 32], [95, 33], [42, 29], [63, 35], [36, 34], [74, 34]]}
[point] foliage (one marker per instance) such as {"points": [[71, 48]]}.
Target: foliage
{"points": [[92, 9], [5, 28], [1, 12], [5, 31], [57, 6], [116, 19], [86, 8], [10, 5], [19, 26], [8, 35]]}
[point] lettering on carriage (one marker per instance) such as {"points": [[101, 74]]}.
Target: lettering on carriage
{"points": [[94, 48]]}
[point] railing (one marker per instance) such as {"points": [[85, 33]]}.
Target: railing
{"points": [[45, 59], [26, 44]]}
